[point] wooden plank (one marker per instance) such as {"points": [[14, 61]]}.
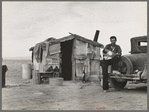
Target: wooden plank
{"points": [[48, 75], [45, 72], [95, 67], [80, 47]]}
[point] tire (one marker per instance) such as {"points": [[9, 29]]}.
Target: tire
{"points": [[128, 64], [117, 85]]}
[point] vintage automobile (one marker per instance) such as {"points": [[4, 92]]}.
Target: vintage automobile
{"points": [[131, 67]]}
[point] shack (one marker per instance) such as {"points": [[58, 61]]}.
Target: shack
{"points": [[67, 56]]}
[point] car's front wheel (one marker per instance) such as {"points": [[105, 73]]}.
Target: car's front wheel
{"points": [[117, 84]]}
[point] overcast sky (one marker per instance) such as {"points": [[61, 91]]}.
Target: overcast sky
{"points": [[26, 23]]}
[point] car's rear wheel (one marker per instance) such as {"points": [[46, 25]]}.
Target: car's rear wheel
{"points": [[117, 84]]}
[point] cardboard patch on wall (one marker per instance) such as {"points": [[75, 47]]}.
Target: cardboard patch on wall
{"points": [[53, 49]]}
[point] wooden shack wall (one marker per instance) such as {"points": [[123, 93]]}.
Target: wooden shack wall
{"points": [[81, 49], [95, 62], [51, 59]]}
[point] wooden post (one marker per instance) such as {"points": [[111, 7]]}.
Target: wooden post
{"points": [[73, 60], [89, 68], [36, 77], [60, 65], [4, 70]]}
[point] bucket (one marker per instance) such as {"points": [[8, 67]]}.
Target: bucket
{"points": [[36, 78], [26, 71], [56, 81]]}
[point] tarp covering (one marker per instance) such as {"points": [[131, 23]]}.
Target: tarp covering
{"points": [[32, 49], [38, 52], [135, 47], [36, 64]]}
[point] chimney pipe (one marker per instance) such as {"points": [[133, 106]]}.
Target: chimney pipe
{"points": [[96, 35]]}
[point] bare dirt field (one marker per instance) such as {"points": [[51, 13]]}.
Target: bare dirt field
{"points": [[24, 95]]}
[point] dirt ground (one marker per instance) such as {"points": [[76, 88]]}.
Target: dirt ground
{"points": [[24, 95]]}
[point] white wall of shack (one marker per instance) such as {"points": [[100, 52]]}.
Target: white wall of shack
{"points": [[92, 67]]}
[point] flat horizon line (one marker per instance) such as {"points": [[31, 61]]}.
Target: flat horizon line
{"points": [[16, 58]]}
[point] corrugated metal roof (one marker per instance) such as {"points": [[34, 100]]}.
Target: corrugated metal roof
{"points": [[52, 40], [73, 36]]}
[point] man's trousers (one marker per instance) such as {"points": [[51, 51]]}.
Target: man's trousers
{"points": [[105, 64]]}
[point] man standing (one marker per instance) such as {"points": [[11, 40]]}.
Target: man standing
{"points": [[4, 70], [111, 54]]}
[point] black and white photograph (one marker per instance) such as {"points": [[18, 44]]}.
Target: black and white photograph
{"points": [[74, 55]]}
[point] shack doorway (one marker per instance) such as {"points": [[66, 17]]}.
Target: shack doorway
{"points": [[66, 65]]}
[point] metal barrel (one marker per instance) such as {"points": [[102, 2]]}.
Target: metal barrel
{"points": [[26, 71]]}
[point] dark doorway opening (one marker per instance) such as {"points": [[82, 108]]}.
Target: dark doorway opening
{"points": [[66, 65]]}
